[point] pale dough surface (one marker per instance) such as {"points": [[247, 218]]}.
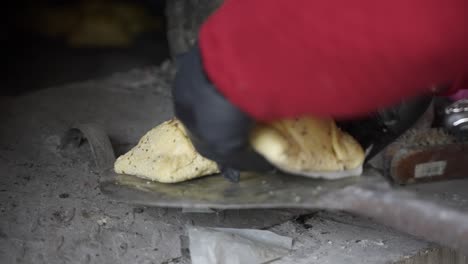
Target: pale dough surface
{"points": [[165, 154], [306, 146], [309, 146]]}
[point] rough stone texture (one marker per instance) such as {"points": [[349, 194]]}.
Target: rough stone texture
{"points": [[51, 209], [343, 238]]}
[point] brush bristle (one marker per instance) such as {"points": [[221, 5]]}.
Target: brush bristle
{"points": [[426, 137]]}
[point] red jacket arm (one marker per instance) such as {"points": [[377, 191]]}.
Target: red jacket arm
{"points": [[340, 58]]}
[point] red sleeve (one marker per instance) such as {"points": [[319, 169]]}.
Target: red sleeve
{"points": [[339, 58]]}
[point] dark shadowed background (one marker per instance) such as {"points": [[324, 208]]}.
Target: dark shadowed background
{"points": [[53, 42]]}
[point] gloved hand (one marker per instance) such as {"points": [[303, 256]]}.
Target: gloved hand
{"points": [[218, 129]]}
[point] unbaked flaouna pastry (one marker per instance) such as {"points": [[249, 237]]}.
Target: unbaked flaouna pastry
{"points": [[309, 146], [306, 146], [165, 154]]}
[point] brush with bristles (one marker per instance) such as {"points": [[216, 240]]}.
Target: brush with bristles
{"points": [[414, 138], [424, 155], [426, 137]]}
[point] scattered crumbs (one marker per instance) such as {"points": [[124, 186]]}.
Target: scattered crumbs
{"points": [[64, 195], [380, 243], [329, 242], [102, 222], [138, 210]]}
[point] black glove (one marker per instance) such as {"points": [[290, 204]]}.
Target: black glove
{"points": [[218, 129]]}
